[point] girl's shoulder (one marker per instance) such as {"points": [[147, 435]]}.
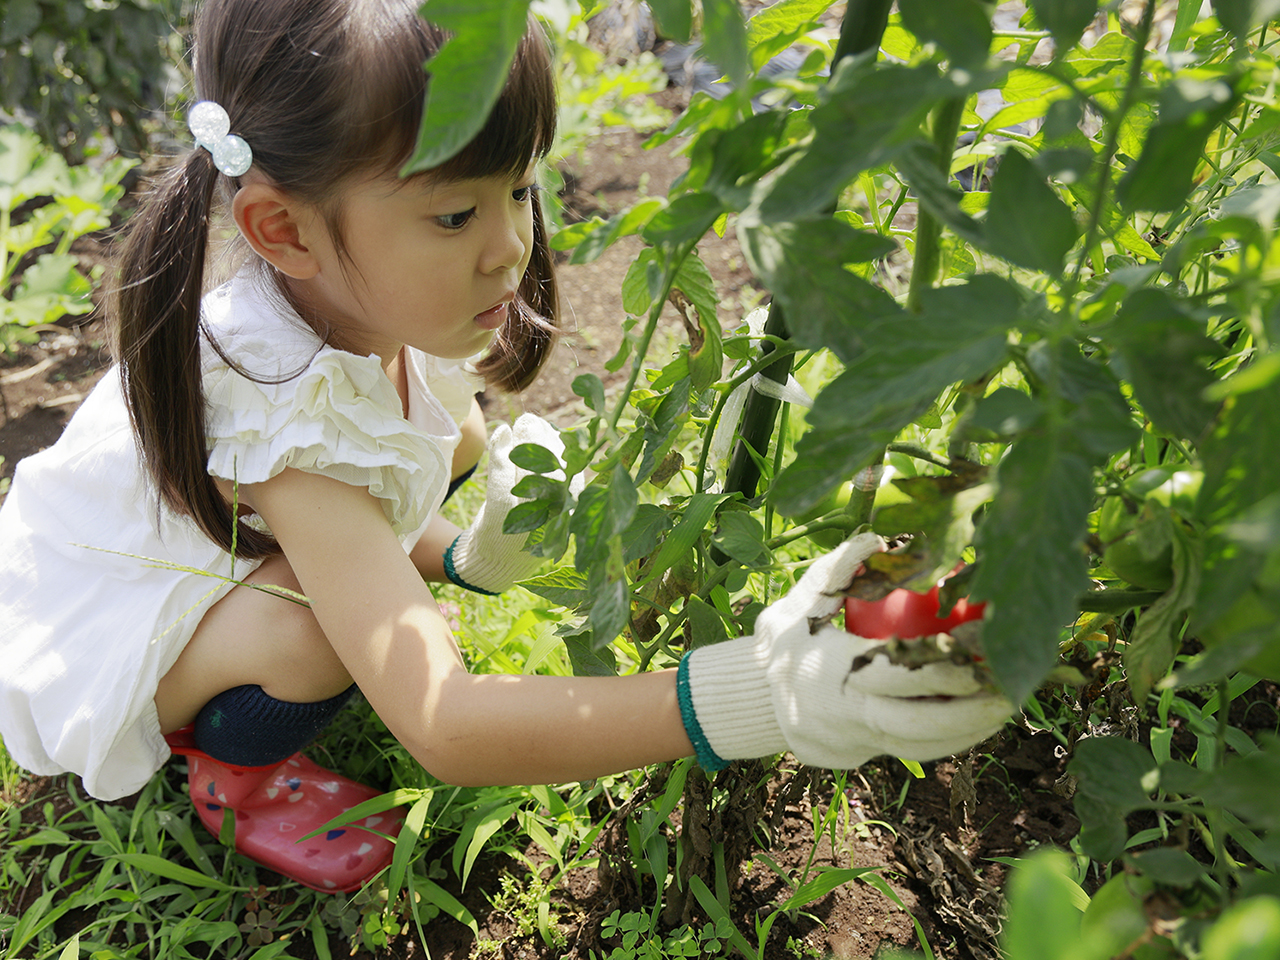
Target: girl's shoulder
{"points": [[248, 326]]}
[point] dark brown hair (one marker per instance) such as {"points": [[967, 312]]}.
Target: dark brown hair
{"points": [[323, 91]]}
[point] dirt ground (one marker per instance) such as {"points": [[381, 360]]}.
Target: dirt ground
{"points": [[935, 856]]}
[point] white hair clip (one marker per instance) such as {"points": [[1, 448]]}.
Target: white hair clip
{"points": [[211, 127]]}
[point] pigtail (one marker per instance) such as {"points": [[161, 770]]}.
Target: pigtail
{"points": [[156, 342], [524, 343]]}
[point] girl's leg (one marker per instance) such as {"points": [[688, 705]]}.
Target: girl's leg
{"points": [[252, 638], [260, 681]]}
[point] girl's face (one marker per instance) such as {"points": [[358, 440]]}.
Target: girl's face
{"points": [[434, 264]]}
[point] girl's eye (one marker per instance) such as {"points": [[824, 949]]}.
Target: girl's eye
{"points": [[523, 194], [456, 221]]}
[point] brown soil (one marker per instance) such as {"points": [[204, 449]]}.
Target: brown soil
{"points": [[936, 856]]}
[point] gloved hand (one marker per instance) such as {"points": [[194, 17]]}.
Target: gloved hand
{"points": [[788, 686], [483, 558]]}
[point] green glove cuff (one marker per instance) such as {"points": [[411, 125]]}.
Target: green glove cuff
{"points": [[451, 571], [708, 759]]}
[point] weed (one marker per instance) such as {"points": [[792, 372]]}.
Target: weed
{"points": [[527, 904]]}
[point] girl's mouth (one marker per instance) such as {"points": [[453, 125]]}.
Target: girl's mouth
{"points": [[492, 318]]}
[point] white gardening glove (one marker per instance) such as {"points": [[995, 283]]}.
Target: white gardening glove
{"points": [[788, 686], [483, 558]]}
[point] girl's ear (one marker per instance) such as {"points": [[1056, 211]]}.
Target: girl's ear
{"points": [[278, 229]]}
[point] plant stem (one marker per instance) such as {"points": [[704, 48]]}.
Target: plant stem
{"points": [[1131, 86], [759, 414], [945, 124]]}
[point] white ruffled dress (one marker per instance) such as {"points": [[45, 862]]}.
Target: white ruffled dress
{"points": [[93, 611]]}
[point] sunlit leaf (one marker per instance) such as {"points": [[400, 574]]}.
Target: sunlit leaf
{"points": [[467, 75]]}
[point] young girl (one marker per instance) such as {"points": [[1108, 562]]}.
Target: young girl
{"points": [[300, 425]]}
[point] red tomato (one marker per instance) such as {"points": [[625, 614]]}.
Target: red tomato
{"points": [[906, 614]]}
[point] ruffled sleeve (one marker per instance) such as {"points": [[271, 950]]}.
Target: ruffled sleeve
{"points": [[339, 416]]}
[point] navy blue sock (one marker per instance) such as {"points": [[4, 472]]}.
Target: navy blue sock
{"points": [[245, 727]]}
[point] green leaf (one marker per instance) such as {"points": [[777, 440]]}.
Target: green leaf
{"points": [[705, 622], [1242, 16], [563, 586], [684, 221], [1166, 354], [1157, 636], [730, 163], [1006, 412], [643, 283], [526, 517], [1161, 178], [740, 536], [829, 879], [1240, 466], [802, 263], [1065, 19], [535, 457], [1043, 920], [675, 18], [706, 353], [716, 911], [1031, 562], [589, 387], [646, 530], [477, 831], [1026, 222], [959, 27], [662, 426], [775, 28], [589, 240], [610, 606], [680, 543], [1246, 785], [604, 511], [406, 842], [588, 659], [1246, 930], [934, 192], [161, 867], [467, 75], [27, 168], [449, 905], [906, 363], [1114, 777], [724, 39], [869, 115], [1169, 865]]}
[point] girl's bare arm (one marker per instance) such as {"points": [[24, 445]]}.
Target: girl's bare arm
{"points": [[383, 623]]}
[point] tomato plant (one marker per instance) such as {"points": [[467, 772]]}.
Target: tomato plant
{"points": [[1077, 328]]}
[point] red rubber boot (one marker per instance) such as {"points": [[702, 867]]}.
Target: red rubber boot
{"points": [[276, 805]]}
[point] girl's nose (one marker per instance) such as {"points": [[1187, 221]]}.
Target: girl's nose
{"points": [[508, 242]]}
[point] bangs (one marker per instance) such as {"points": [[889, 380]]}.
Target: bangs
{"points": [[522, 125], [385, 121]]}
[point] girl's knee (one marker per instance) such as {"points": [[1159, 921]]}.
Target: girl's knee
{"points": [[252, 636]]}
